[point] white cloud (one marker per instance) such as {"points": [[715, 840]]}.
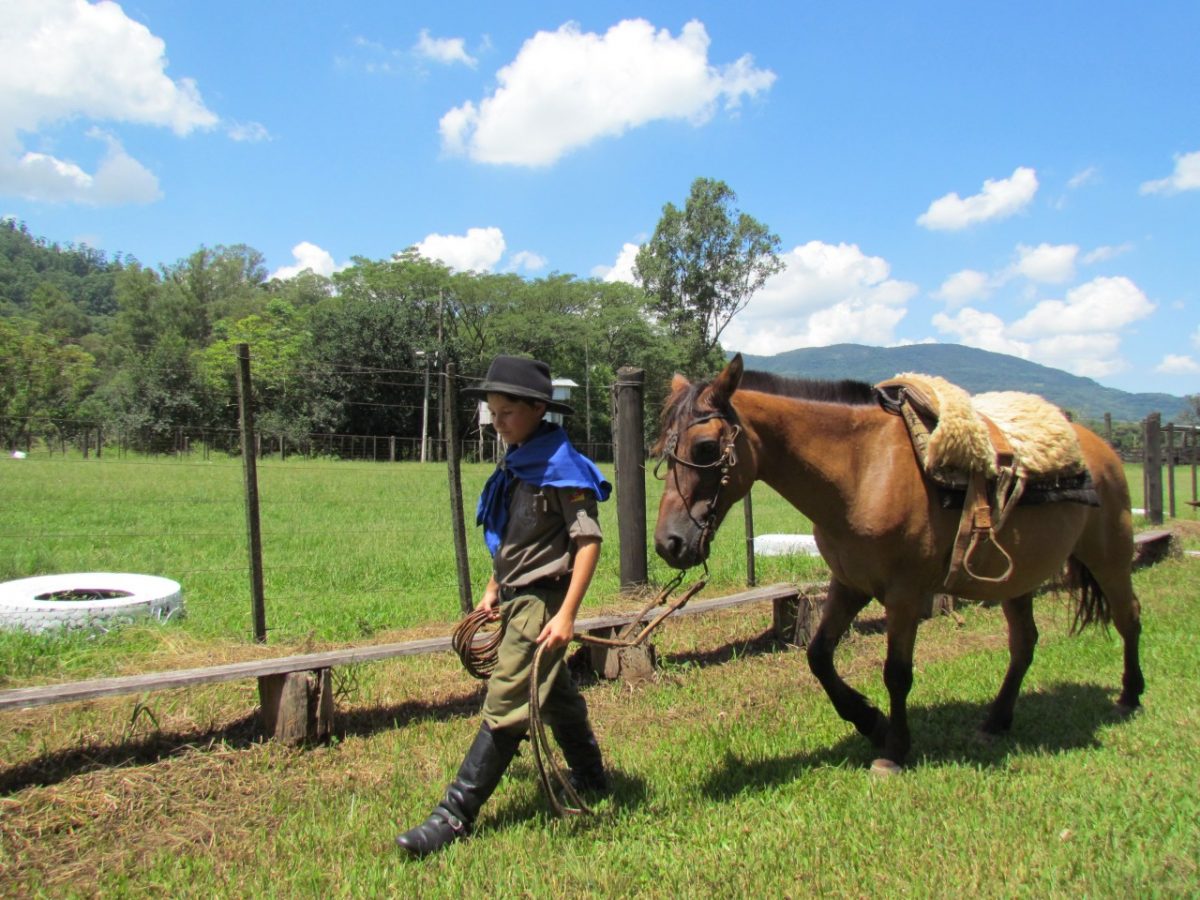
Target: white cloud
{"points": [[622, 269], [446, 51], [248, 132], [1101, 254], [1047, 263], [1087, 176], [963, 287], [999, 199], [1081, 334], [1100, 305], [119, 178], [827, 294], [1090, 355], [309, 256], [567, 88], [1177, 365], [476, 251], [527, 261], [70, 59], [986, 331], [1186, 176]]}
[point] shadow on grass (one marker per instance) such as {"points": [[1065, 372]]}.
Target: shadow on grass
{"points": [[1059, 720], [762, 644], [628, 792], [240, 734]]}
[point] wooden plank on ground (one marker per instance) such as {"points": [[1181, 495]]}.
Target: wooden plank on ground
{"points": [[24, 698]]}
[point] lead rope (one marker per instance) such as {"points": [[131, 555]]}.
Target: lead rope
{"points": [[479, 659]]}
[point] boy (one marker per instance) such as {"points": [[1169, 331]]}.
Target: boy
{"points": [[538, 511]]}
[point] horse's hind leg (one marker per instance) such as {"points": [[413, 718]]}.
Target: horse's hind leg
{"points": [[1022, 638], [841, 606], [1126, 615]]}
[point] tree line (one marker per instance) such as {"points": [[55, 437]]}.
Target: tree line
{"points": [[107, 341]]}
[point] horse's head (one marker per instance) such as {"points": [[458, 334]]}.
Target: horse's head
{"points": [[705, 460]]}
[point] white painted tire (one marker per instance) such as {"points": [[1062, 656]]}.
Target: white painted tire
{"points": [[785, 545], [132, 597]]}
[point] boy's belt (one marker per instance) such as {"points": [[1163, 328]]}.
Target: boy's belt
{"points": [[557, 583]]}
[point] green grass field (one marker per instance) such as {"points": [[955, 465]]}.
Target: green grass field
{"points": [[351, 551], [734, 776]]}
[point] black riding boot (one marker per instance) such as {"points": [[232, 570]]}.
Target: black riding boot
{"points": [[477, 777], [582, 753]]}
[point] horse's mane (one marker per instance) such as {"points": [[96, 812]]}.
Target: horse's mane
{"points": [[846, 392]]}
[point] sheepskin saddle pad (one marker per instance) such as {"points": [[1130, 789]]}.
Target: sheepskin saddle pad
{"points": [[957, 435]]}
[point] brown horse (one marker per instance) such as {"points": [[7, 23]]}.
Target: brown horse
{"points": [[849, 466]]}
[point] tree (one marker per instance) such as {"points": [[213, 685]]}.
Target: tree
{"points": [[704, 263], [41, 381]]}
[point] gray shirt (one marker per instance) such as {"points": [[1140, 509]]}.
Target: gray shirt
{"points": [[543, 525]]}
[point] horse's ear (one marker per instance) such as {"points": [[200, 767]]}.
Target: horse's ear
{"points": [[727, 382], [678, 383]]}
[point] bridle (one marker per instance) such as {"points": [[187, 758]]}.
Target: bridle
{"points": [[723, 463]]}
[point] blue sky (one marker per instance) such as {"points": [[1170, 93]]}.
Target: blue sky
{"points": [[1022, 177]]}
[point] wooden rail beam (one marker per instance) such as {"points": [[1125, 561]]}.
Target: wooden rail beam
{"points": [[25, 698]]}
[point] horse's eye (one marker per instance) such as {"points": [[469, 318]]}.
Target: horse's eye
{"points": [[705, 453]]}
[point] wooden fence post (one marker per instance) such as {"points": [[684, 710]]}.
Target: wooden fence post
{"points": [[1152, 468], [748, 509], [1171, 469], [1192, 459], [629, 436], [250, 470], [454, 470]]}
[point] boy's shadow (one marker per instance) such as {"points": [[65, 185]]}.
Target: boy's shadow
{"points": [[1063, 718]]}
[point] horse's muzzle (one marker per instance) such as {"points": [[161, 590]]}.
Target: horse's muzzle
{"points": [[679, 550]]}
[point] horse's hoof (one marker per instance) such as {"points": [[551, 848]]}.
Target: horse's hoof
{"points": [[885, 768], [1125, 711], [985, 737]]}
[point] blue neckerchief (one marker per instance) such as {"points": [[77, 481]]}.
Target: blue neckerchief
{"points": [[547, 459]]}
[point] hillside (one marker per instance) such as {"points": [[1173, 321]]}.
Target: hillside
{"points": [[976, 371]]}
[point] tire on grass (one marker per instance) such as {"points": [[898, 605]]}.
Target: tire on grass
{"points": [[90, 600]]}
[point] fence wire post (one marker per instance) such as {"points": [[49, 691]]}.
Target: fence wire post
{"points": [[630, 439], [458, 520], [250, 469]]}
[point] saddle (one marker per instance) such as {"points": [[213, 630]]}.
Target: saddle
{"points": [[988, 453]]}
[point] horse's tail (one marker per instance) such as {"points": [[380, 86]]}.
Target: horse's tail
{"points": [[1091, 606]]}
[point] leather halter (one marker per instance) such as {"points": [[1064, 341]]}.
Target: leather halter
{"points": [[726, 461]]}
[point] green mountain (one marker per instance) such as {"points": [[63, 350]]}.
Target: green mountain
{"points": [[974, 370]]}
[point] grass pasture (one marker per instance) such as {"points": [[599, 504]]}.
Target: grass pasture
{"points": [[734, 776]]}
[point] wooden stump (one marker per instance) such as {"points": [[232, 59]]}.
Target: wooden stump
{"points": [[626, 663], [297, 707], [938, 605], [796, 618], [1154, 546]]}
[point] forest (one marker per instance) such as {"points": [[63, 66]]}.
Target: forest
{"points": [[91, 340]]}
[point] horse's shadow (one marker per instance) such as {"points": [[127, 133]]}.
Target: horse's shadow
{"points": [[1061, 719]]}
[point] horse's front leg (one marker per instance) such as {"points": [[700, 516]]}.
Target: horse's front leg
{"points": [[902, 617], [841, 606]]}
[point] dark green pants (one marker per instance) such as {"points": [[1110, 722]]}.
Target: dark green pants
{"points": [[507, 701]]}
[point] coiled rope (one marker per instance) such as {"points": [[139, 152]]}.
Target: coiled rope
{"points": [[479, 656]]}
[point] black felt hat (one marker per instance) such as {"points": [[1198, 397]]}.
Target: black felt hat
{"points": [[516, 376]]}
